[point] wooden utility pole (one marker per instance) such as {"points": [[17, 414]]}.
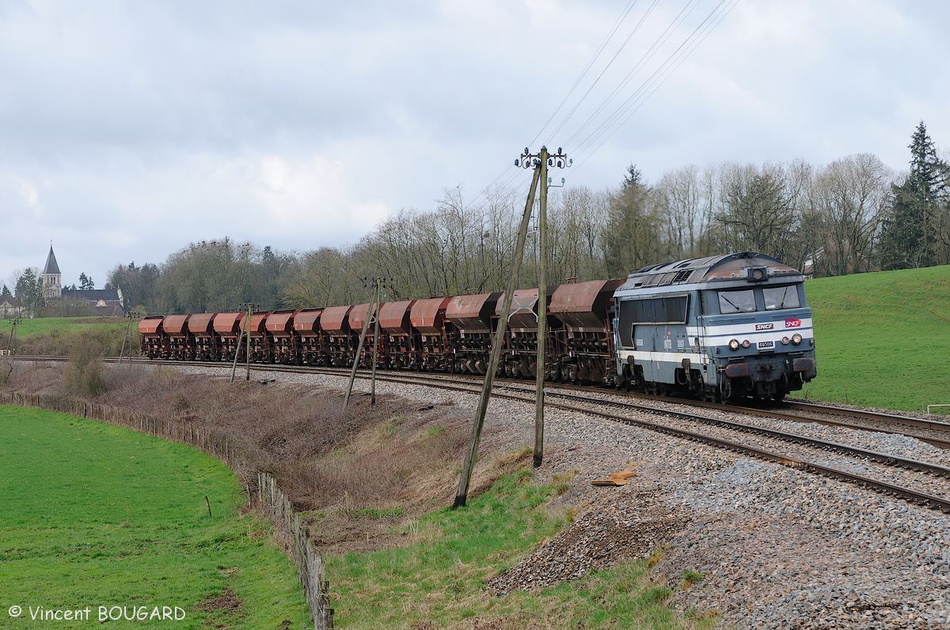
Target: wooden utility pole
{"points": [[247, 337], [540, 363], [497, 343], [545, 159], [372, 380], [127, 340], [237, 351], [372, 312], [245, 334]]}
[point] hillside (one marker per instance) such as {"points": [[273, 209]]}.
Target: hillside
{"points": [[882, 338]]}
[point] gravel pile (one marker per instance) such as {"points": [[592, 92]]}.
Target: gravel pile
{"points": [[623, 525], [776, 548]]}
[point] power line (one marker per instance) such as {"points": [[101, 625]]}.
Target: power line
{"points": [[590, 63], [646, 89]]}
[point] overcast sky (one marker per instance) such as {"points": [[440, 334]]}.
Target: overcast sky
{"points": [[129, 129]]}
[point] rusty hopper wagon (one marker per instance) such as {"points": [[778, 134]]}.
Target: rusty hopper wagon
{"points": [[227, 326], [154, 341], [434, 334], [338, 341], [307, 328], [472, 317], [206, 346], [397, 342], [284, 343], [585, 345]]}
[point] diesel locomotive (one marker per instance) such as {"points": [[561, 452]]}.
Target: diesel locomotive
{"points": [[718, 327]]}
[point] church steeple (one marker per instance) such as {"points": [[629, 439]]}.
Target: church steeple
{"points": [[51, 277], [52, 268]]}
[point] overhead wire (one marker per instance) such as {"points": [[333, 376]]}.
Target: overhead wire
{"points": [[603, 45], [661, 39], [607, 67], [607, 127], [636, 100], [583, 73]]}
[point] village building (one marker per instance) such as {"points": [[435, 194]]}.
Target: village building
{"points": [[102, 302]]}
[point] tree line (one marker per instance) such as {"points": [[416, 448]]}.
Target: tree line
{"points": [[850, 216]]}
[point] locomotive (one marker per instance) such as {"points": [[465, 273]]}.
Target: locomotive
{"points": [[718, 328]]}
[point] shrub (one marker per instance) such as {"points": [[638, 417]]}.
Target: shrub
{"points": [[83, 372]]}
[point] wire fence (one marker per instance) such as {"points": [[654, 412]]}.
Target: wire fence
{"points": [[261, 488]]}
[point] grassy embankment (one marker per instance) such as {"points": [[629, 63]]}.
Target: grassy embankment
{"points": [[882, 339], [95, 515], [438, 580], [55, 336]]}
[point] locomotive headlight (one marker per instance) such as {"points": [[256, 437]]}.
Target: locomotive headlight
{"points": [[796, 339], [733, 344], [785, 341], [746, 343]]}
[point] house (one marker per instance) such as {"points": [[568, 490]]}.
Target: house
{"points": [[103, 302]]}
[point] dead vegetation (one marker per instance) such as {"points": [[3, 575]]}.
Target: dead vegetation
{"points": [[362, 476]]}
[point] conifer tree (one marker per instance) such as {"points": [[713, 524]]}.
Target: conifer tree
{"points": [[912, 231]]}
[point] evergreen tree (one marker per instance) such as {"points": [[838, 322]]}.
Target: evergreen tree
{"points": [[911, 231], [632, 236], [86, 283], [29, 290]]}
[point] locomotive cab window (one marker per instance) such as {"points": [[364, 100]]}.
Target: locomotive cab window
{"points": [[781, 297], [736, 301]]}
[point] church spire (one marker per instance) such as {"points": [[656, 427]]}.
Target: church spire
{"points": [[51, 266], [51, 277]]}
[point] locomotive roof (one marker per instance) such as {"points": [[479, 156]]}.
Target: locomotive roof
{"points": [[710, 269]]}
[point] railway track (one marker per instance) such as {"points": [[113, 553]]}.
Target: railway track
{"points": [[725, 434], [573, 402]]}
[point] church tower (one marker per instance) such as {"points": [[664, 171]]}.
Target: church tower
{"points": [[51, 277]]}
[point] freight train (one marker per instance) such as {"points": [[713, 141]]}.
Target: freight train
{"points": [[718, 328]]}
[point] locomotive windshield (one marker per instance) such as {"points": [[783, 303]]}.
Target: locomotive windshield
{"points": [[780, 297], [736, 301], [746, 300]]}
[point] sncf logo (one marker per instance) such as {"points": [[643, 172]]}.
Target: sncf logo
{"points": [[765, 326], [793, 323]]}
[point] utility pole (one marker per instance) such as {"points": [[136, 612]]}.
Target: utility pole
{"points": [[372, 313], [13, 324], [497, 341], [543, 159], [245, 335], [127, 340]]}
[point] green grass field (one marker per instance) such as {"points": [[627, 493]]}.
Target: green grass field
{"points": [[46, 325], [95, 515], [438, 581], [882, 339]]}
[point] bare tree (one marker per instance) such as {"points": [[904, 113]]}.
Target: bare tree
{"points": [[848, 200]]}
